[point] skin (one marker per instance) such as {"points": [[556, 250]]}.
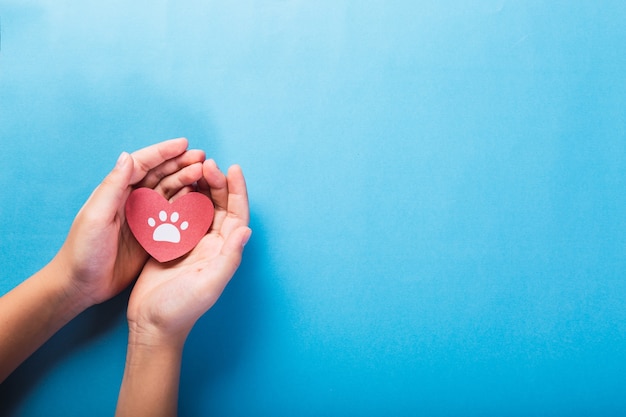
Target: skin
{"points": [[169, 298], [100, 258]]}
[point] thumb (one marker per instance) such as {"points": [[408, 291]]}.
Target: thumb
{"points": [[109, 195]]}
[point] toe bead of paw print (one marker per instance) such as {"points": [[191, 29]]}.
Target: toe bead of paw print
{"points": [[167, 231]]}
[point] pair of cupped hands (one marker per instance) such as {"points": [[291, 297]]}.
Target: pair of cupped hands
{"points": [[101, 257]]}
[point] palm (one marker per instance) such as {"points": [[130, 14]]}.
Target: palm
{"points": [[167, 293]]}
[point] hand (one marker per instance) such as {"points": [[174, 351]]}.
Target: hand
{"points": [[169, 298], [100, 254]]}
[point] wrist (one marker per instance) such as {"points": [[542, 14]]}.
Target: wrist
{"points": [[150, 336], [56, 279], [70, 280], [142, 352]]}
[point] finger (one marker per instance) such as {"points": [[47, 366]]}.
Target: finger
{"points": [[203, 185], [172, 184], [215, 185], [214, 182], [185, 190], [223, 270], [232, 250], [152, 156], [237, 240], [169, 167], [238, 213], [238, 205], [108, 197]]}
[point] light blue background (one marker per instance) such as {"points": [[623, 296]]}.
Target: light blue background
{"points": [[437, 189]]}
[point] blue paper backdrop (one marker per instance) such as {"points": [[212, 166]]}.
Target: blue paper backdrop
{"points": [[438, 192]]}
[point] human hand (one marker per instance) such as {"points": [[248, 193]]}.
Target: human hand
{"points": [[100, 255], [169, 298]]}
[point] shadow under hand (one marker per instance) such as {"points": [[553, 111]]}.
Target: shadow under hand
{"points": [[92, 324], [108, 118], [220, 339]]}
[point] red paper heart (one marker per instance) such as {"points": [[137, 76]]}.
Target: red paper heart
{"points": [[168, 230]]}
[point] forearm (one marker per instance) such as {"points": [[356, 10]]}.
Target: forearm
{"points": [[151, 379], [32, 312]]}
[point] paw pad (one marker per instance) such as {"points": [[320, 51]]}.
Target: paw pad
{"points": [[167, 231]]}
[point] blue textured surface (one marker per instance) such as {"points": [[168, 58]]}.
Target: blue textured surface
{"points": [[438, 193]]}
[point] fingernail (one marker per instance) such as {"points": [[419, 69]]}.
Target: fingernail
{"points": [[247, 237], [122, 160]]}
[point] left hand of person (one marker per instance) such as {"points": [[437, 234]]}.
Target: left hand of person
{"points": [[100, 256]]}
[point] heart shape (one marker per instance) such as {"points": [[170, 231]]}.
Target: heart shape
{"points": [[168, 230]]}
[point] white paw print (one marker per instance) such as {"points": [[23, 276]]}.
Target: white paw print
{"points": [[167, 232]]}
